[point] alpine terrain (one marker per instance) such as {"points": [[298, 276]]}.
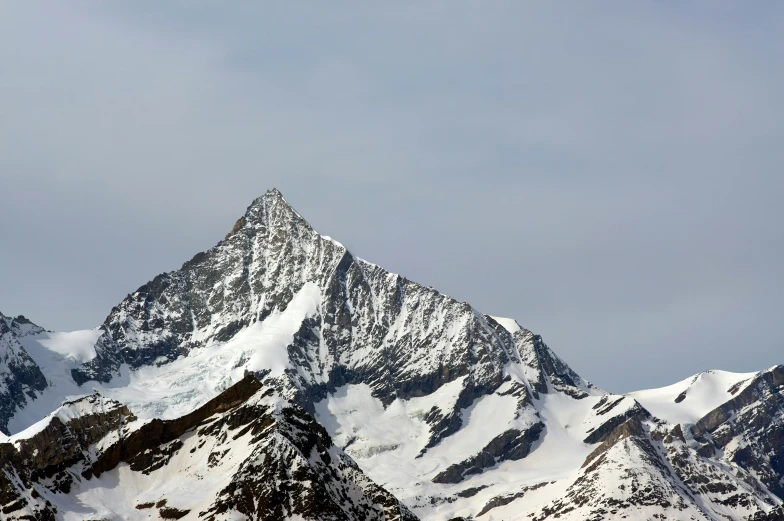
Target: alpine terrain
{"points": [[279, 377]]}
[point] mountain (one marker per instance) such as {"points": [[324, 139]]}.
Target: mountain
{"points": [[374, 392], [20, 377], [244, 453]]}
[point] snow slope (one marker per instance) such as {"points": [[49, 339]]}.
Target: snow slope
{"points": [[456, 413], [277, 459], [170, 390], [689, 400]]}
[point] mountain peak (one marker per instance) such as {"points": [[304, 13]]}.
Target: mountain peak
{"points": [[353, 367], [20, 325], [271, 197], [273, 192], [272, 210]]}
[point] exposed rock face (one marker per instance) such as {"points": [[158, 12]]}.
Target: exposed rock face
{"points": [[51, 456], [749, 429], [295, 471], [645, 470], [618, 416], [371, 326], [776, 514], [290, 468], [142, 448], [20, 378], [513, 444], [459, 414], [642, 487]]}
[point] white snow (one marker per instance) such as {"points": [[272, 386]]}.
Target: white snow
{"points": [[386, 444], [176, 388], [333, 241], [509, 324], [482, 421], [268, 339], [704, 392], [56, 363], [187, 482], [65, 413]]}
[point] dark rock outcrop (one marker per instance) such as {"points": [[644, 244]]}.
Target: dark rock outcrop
{"points": [[51, 454], [399, 340], [402, 339], [20, 378], [146, 441], [293, 470], [754, 418], [512, 445], [636, 412]]}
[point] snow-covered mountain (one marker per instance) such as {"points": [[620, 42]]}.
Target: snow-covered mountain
{"points": [[245, 453], [20, 378], [369, 392]]}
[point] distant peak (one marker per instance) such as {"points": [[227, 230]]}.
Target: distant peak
{"points": [[271, 209], [21, 319], [271, 197], [19, 325]]}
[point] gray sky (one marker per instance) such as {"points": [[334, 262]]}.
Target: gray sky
{"points": [[608, 173]]}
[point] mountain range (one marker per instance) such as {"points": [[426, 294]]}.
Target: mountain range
{"points": [[277, 376]]}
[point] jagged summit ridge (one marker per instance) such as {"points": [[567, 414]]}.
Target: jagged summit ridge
{"points": [[457, 413], [333, 321], [371, 326], [271, 211]]}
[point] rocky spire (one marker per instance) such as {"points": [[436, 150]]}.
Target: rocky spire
{"points": [[272, 210], [20, 377]]}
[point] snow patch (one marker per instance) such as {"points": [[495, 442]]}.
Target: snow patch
{"points": [[702, 393], [509, 324], [269, 339]]}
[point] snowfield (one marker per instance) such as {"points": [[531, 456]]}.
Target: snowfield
{"points": [[379, 394], [700, 393]]}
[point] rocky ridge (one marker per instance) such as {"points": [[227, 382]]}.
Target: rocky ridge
{"points": [[20, 377], [249, 454], [456, 413], [370, 326]]}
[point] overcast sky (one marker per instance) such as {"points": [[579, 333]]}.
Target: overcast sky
{"points": [[607, 173]]}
